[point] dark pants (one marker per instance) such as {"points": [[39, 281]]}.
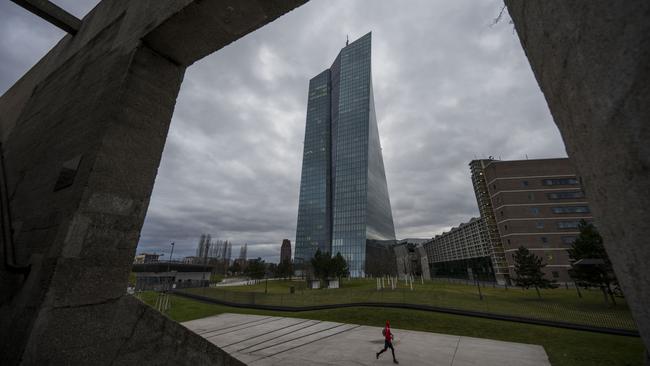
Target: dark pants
{"points": [[387, 345]]}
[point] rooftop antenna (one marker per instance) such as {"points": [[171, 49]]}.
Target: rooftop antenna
{"points": [[347, 40]]}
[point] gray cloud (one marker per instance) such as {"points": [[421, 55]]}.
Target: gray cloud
{"points": [[448, 88]]}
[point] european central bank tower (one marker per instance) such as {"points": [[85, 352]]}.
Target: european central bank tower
{"points": [[343, 192]]}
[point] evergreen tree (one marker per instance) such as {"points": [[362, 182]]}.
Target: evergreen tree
{"points": [[284, 270], [256, 269], [528, 268], [339, 267], [272, 269], [235, 268], [321, 265], [589, 246]]}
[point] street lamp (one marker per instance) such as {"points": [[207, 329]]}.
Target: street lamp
{"points": [[169, 263]]}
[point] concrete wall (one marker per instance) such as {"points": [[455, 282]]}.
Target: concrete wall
{"points": [[98, 105], [591, 60]]}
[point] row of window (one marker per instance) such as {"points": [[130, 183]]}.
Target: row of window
{"points": [[570, 209], [558, 210], [560, 225], [550, 182], [561, 181], [565, 195], [567, 240]]}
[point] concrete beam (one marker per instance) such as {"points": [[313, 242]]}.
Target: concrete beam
{"points": [[52, 13], [590, 58], [82, 135], [203, 26]]}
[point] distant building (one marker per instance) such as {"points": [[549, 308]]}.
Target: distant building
{"points": [[399, 258], [191, 260], [146, 258], [537, 204], [216, 253], [285, 251], [461, 252], [243, 256], [411, 259], [164, 276], [204, 246]]}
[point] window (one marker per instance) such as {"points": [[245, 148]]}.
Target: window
{"points": [[544, 239], [531, 196], [571, 209], [568, 224], [539, 224], [534, 210], [524, 183], [565, 195], [568, 240], [561, 181]]}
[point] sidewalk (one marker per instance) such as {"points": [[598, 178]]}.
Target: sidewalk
{"points": [[266, 340]]}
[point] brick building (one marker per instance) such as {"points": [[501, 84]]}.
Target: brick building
{"points": [[537, 204], [285, 251]]}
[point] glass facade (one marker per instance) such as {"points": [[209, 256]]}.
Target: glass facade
{"points": [[343, 192], [314, 210]]}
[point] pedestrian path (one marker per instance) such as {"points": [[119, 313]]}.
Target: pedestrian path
{"points": [[267, 340]]}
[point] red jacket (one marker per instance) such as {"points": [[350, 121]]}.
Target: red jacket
{"points": [[387, 334]]}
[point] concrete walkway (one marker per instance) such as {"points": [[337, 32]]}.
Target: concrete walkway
{"points": [[267, 340]]}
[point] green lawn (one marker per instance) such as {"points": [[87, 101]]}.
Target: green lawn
{"points": [[564, 347], [556, 304], [216, 278]]}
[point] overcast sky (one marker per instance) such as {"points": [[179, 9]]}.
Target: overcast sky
{"points": [[448, 88]]}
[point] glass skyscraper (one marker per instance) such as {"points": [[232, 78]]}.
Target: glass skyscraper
{"points": [[343, 192]]}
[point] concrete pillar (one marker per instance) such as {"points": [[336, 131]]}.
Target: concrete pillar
{"points": [[591, 59], [82, 135]]}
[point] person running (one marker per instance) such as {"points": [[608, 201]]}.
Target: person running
{"points": [[388, 342]]}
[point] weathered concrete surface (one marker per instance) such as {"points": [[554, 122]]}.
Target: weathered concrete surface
{"points": [[129, 332], [592, 61], [264, 340], [103, 98]]}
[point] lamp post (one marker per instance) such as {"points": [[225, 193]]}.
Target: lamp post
{"points": [[169, 263], [170, 257]]}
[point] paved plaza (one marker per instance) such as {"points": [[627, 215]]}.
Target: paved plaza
{"points": [[268, 340]]}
